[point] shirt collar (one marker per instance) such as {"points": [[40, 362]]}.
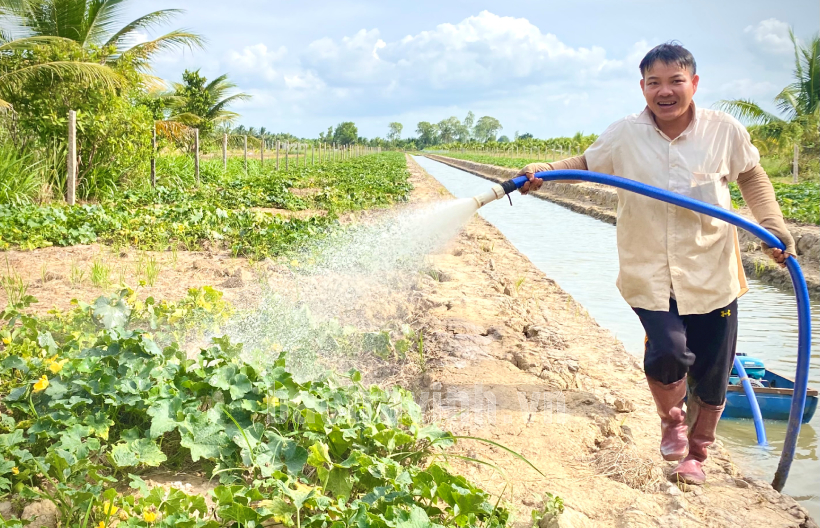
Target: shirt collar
{"points": [[647, 118]]}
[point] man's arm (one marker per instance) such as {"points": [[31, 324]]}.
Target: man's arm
{"points": [[758, 193], [574, 163]]}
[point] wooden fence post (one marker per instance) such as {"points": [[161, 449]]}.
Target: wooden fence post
{"points": [[196, 154], [312, 154], [71, 163], [225, 151], [262, 152], [245, 139], [287, 155], [794, 164], [277, 154], [297, 155], [154, 155]]}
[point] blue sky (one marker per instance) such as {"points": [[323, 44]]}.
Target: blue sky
{"points": [[548, 68]]}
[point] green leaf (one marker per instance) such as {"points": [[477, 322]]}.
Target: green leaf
{"points": [[143, 451], [415, 518], [203, 437], [14, 362], [111, 313], [340, 483]]}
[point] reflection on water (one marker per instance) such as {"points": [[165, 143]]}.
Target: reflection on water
{"points": [[579, 253]]}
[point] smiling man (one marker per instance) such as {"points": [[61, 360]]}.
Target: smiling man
{"points": [[680, 271]]}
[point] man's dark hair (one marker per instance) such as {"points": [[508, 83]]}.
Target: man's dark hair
{"points": [[669, 53]]}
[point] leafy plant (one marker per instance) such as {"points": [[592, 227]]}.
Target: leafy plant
{"points": [[106, 402]]}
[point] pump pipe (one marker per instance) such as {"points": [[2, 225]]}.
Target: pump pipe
{"points": [[801, 378]]}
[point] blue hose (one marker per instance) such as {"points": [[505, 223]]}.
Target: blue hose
{"points": [[750, 395], [801, 377]]}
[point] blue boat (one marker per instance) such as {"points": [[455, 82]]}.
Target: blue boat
{"points": [[774, 395]]}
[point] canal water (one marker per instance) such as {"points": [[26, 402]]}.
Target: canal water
{"points": [[579, 253]]}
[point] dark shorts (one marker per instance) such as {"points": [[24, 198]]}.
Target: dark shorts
{"points": [[701, 346]]}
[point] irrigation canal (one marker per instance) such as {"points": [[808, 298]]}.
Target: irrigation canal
{"points": [[579, 253]]}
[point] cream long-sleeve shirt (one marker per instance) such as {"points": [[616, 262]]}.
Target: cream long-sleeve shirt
{"points": [[662, 247]]}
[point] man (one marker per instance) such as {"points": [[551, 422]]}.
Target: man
{"points": [[680, 270]]}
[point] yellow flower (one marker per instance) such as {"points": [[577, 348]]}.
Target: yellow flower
{"points": [[149, 516], [109, 509], [56, 366], [101, 525], [271, 400], [294, 263], [6, 340], [15, 471], [276, 347], [41, 384]]}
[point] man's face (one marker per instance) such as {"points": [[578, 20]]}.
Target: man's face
{"points": [[668, 90]]}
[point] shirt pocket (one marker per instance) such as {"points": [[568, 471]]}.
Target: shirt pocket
{"points": [[709, 187]]}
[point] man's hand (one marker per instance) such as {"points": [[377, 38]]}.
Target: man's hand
{"points": [[533, 183], [777, 255]]}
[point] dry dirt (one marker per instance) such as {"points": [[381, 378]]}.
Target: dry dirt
{"points": [[509, 357]]}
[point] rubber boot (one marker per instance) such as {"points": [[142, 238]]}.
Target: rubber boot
{"points": [[669, 402], [703, 424]]}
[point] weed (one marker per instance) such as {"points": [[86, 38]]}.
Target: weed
{"points": [[519, 282], [152, 269], [13, 286], [553, 507], [76, 275], [100, 272]]}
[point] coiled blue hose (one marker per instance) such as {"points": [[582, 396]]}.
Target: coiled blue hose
{"points": [[801, 377]]}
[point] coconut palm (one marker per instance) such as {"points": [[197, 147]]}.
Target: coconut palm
{"points": [[796, 102], [94, 23], [206, 105]]}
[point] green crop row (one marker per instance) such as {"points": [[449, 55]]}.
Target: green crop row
{"points": [[217, 212], [798, 201], [94, 398]]}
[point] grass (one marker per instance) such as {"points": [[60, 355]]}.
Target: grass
{"points": [[13, 285], [100, 274]]}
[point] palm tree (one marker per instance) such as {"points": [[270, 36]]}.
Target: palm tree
{"points": [[797, 102], [206, 105], [94, 23]]}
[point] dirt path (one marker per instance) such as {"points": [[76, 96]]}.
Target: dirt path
{"points": [[601, 202], [514, 359]]}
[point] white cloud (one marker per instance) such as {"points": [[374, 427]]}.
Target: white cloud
{"points": [[771, 36], [256, 59], [481, 51]]}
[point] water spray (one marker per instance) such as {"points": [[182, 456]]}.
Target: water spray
{"points": [[801, 378]]}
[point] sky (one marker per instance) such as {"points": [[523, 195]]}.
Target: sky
{"points": [[545, 68]]}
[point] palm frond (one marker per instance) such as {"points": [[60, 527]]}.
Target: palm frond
{"points": [[173, 40], [144, 22], [747, 111], [787, 102], [217, 109], [27, 43], [87, 71]]}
